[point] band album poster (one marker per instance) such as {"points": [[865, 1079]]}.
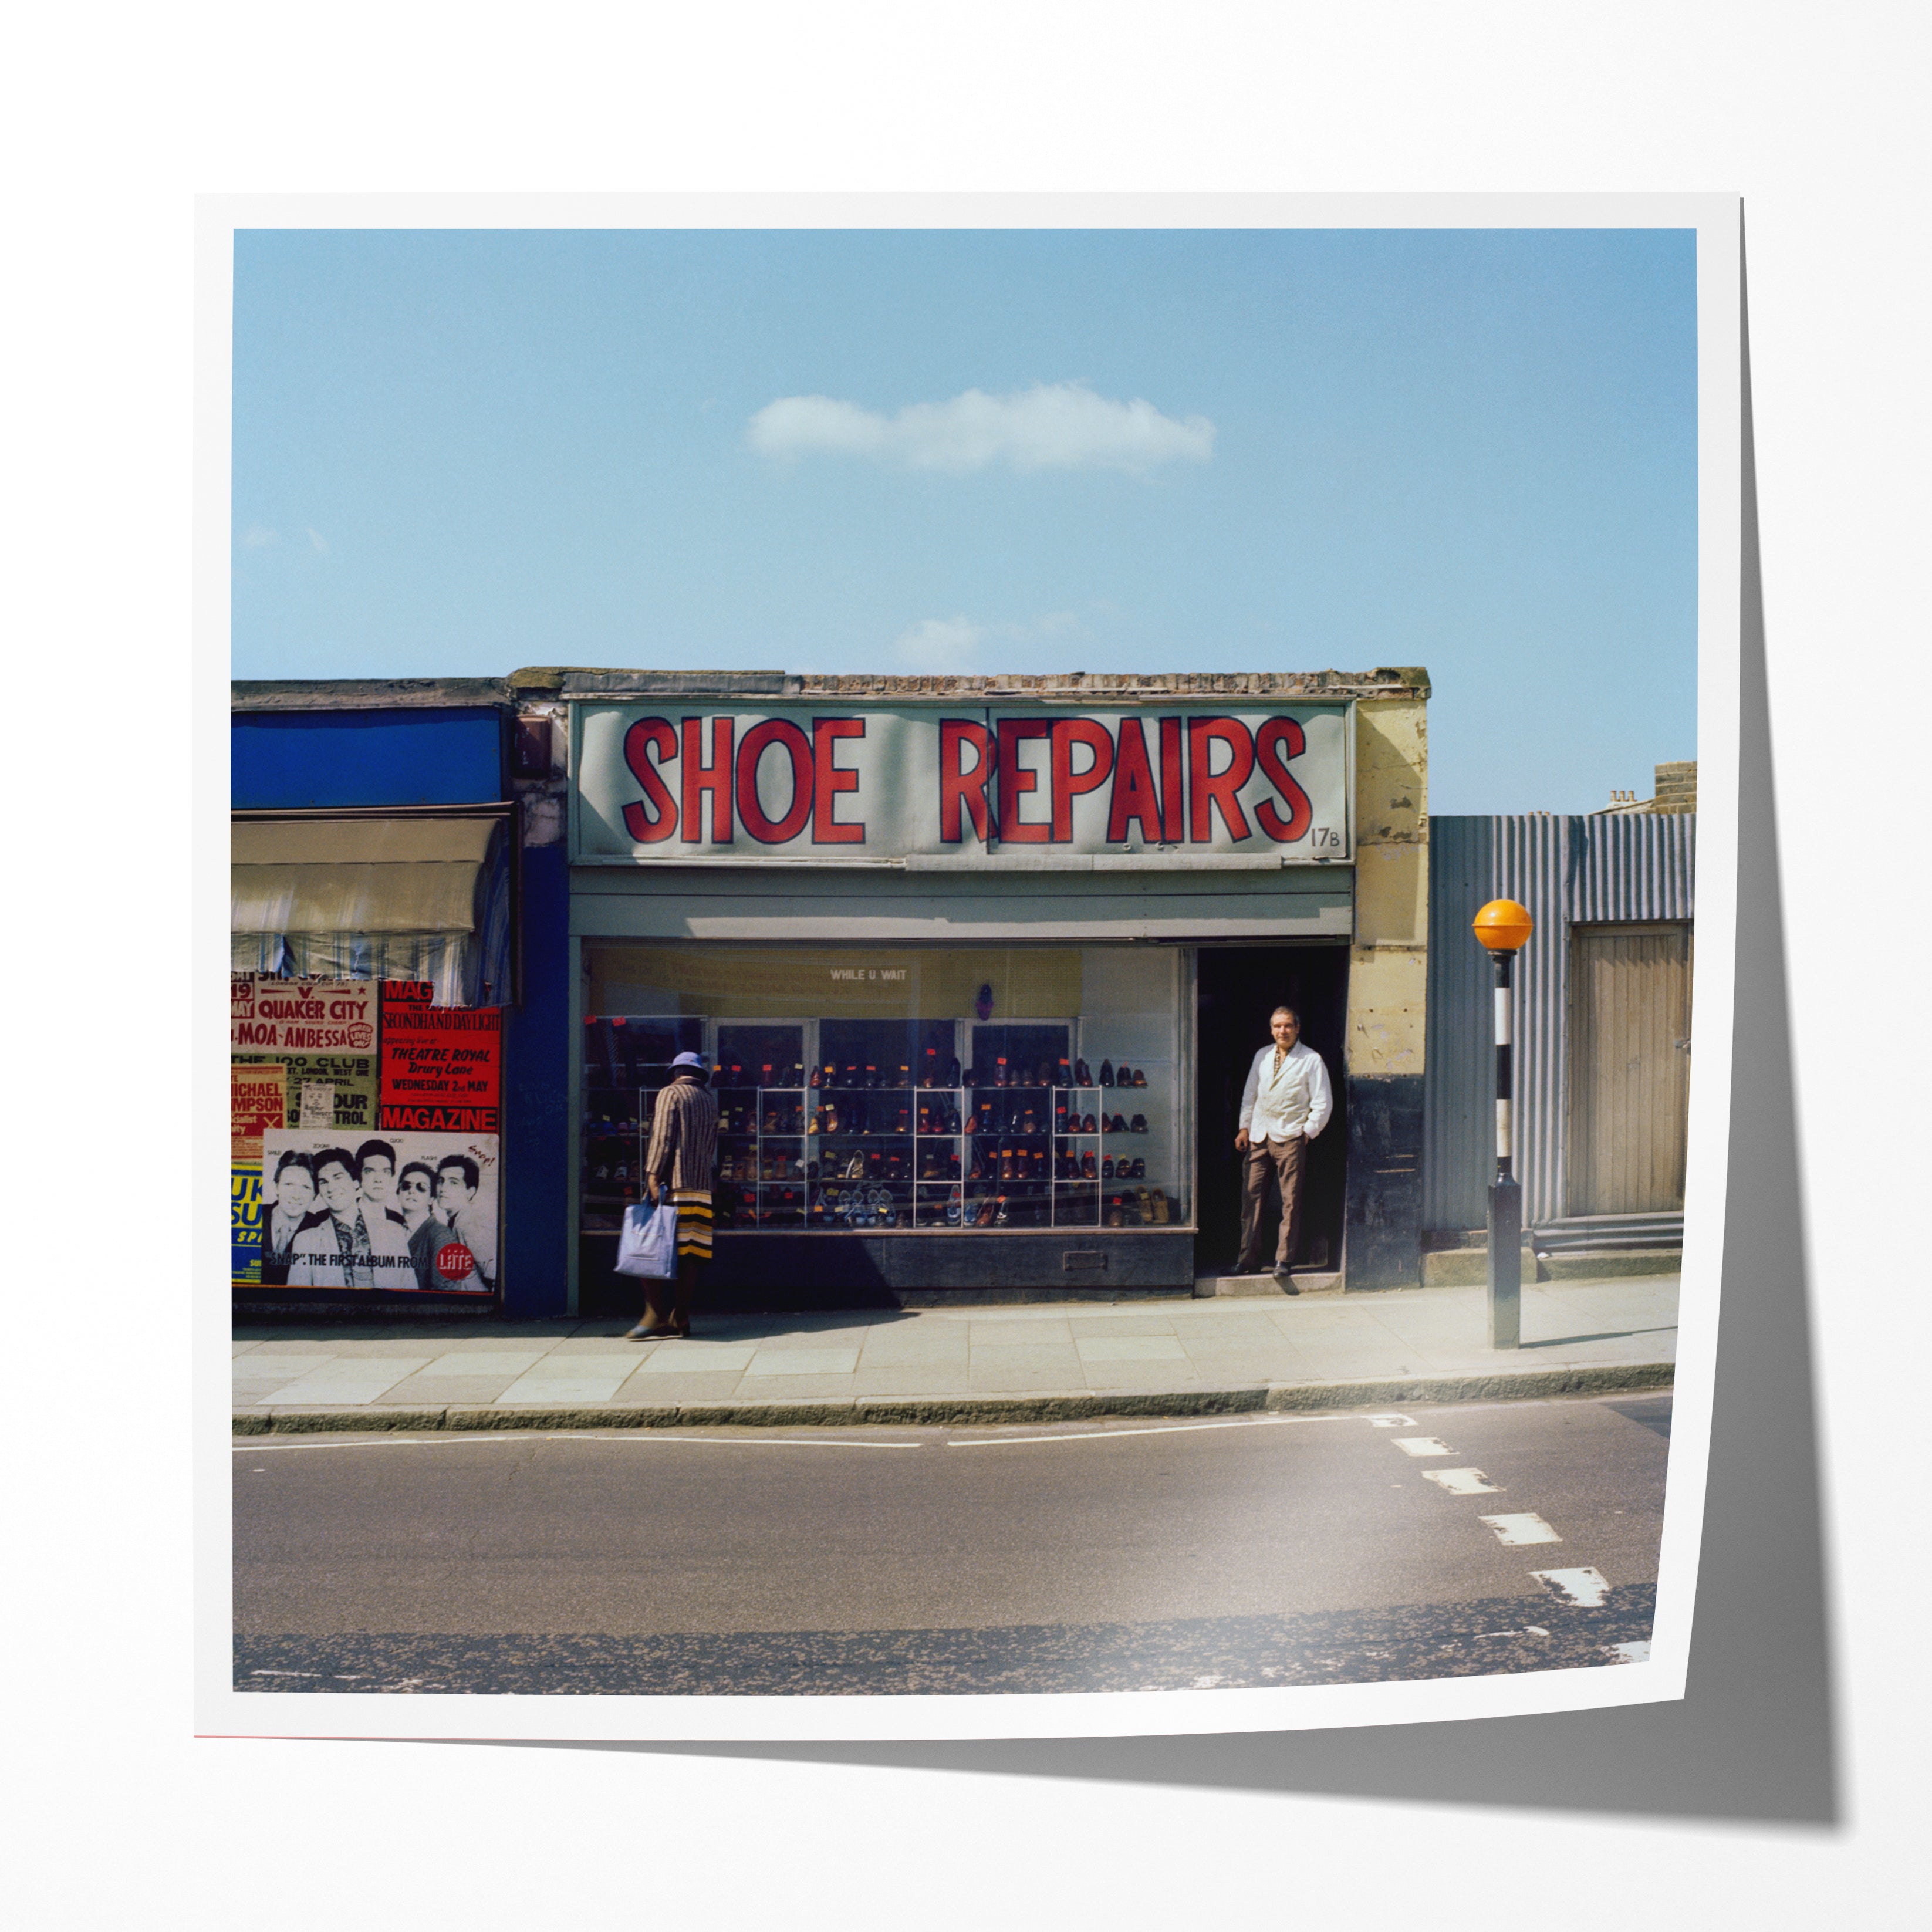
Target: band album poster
{"points": [[409, 1213], [1180, 1031]]}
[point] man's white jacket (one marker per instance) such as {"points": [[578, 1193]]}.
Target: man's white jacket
{"points": [[1278, 1106]]}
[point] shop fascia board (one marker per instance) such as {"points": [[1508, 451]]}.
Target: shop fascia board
{"points": [[990, 866], [1076, 690]]}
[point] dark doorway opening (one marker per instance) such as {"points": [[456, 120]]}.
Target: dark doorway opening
{"points": [[1236, 988]]}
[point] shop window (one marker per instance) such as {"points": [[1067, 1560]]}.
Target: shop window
{"points": [[933, 1090]]}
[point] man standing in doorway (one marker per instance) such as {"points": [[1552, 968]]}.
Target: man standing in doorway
{"points": [[1285, 1105]]}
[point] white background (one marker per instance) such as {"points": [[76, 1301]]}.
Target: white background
{"points": [[119, 115]]}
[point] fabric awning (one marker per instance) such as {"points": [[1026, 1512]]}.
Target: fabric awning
{"points": [[361, 875]]}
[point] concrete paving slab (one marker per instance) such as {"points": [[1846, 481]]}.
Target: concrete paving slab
{"points": [[340, 1381], [1128, 1321], [432, 1391], [673, 1389], [695, 1357], [587, 1384], [1003, 1333], [483, 1362], [1138, 1348], [1162, 1378], [794, 1362]]}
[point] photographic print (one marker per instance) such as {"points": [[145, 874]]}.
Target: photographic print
{"points": [[1116, 822]]}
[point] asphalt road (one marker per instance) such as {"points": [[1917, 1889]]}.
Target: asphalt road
{"points": [[1147, 1555]]}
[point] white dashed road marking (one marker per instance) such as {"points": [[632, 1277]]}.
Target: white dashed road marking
{"points": [[1422, 1445], [1390, 1422], [1525, 1527], [1462, 1482], [1585, 1588]]}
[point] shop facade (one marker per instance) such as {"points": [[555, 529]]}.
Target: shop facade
{"points": [[396, 1046], [981, 964]]}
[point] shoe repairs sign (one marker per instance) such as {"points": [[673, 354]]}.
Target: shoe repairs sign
{"points": [[883, 782]]}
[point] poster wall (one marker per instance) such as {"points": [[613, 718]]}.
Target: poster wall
{"points": [[406, 1212]]}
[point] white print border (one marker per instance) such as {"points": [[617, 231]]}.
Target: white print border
{"points": [[220, 1710]]}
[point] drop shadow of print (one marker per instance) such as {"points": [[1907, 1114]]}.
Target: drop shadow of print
{"points": [[1755, 1738]]}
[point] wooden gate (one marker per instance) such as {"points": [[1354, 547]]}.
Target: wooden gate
{"points": [[1630, 1067]]}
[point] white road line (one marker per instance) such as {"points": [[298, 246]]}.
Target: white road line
{"points": [[1462, 1482], [1390, 1421], [1110, 1434], [510, 1436], [1525, 1527], [269, 1448], [1422, 1445], [1584, 1587], [653, 1436]]}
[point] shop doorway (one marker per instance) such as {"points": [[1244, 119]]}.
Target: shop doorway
{"points": [[1236, 989]]}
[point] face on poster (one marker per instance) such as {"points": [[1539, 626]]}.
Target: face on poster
{"points": [[405, 1213]]}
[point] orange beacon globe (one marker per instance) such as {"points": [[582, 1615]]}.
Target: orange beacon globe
{"points": [[1503, 925]]}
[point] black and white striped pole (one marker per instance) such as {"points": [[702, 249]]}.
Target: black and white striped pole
{"points": [[1503, 926]]}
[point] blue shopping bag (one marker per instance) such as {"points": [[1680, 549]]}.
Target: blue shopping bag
{"points": [[648, 1244]]}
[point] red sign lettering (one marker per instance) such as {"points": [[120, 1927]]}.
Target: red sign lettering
{"points": [[1133, 799], [1208, 790], [1279, 739], [650, 737], [714, 779], [958, 788], [1068, 784], [759, 739], [1016, 781], [834, 778]]}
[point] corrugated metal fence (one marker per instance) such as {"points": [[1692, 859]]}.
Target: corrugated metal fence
{"points": [[1568, 870]]}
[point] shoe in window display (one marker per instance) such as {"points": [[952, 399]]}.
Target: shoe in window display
{"points": [[952, 1071], [855, 1168], [1087, 1126], [1160, 1209], [952, 1212], [1140, 1170], [1082, 1077], [1030, 1122], [902, 1124], [1106, 1167], [1140, 1125], [1089, 1169], [1106, 1073]]}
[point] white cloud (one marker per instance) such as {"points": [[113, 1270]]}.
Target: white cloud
{"points": [[1051, 426], [318, 543], [257, 536], [952, 645], [941, 645]]}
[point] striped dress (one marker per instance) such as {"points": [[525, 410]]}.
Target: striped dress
{"points": [[683, 1155]]}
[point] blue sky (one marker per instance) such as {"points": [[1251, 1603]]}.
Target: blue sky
{"points": [[457, 453]]}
